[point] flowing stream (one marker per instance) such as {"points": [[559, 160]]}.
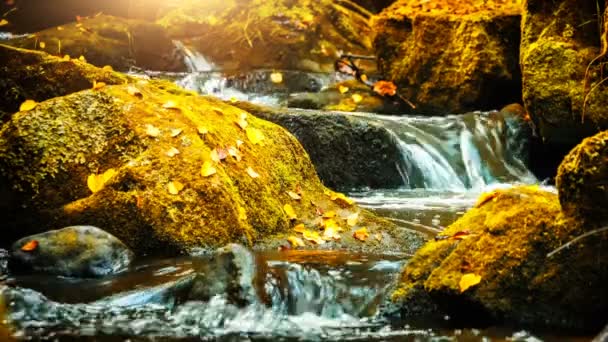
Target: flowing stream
{"points": [[446, 163]]}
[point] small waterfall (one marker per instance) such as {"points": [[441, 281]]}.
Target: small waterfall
{"points": [[458, 152], [194, 60]]}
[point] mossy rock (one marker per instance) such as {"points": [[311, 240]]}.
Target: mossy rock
{"points": [[347, 151], [582, 179], [35, 75], [48, 154], [279, 34], [506, 239], [450, 63], [559, 41], [106, 40]]}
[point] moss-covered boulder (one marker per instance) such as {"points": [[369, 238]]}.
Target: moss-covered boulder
{"points": [[347, 151], [35, 75], [452, 59], [279, 34], [165, 170], [582, 179], [495, 264], [566, 100], [106, 40]]}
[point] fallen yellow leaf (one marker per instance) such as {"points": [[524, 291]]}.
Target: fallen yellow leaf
{"points": [[299, 228], [133, 91], [296, 241], [331, 224], [239, 143], [313, 236], [96, 182], [343, 89], [294, 196], [3, 22], [242, 121], [98, 85], [378, 236], [28, 105], [202, 130], [172, 152], [252, 173], [276, 77], [175, 132], [361, 234], [357, 98], [329, 214], [342, 200], [42, 45], [232, 151], [152, 131], [291, 214], [107, 68], [468, 280], [207, 169], [352, 219], [82, 59], [171, 105], [331, 234], [254, 135], [66, 58], [175, 187], [217, 110]]}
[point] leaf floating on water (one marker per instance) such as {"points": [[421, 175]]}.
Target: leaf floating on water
{"points": [[468, 280], [294, 196], [28, 105], [296, 241], [30, 246], [175, 187], [252, 173], [133, 91], [361, 234], [299, 228], [343, 89], [96, 182], [152, 131], [107, 68], [254, 135], [172, 152], [3, 22], [42, 45], [175, 132], [357, 98], [291, 214], [276, 77], [207, 169], [352, 219], [171, 105], [313, 236], [98, 85], [202, 130]]}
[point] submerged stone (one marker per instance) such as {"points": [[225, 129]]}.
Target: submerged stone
{"points": [[78, 251], [506, 240]]}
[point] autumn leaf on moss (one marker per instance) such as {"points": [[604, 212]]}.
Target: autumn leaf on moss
{"points": [[343, 89], [175, 132], [331, 234], [30, 246], [172, 152], [313, 236], [42, 45], [361, 234], [67, 58], [331, 224], [171, 105], [296, 241], [28, 105], [294, 196], [234, 153], [468, 280], [329, 214], [217, 111], [152, 131], [207, 169], [175, 187], [357, 98], [378, 236], [299, 228], [385, 88], [202, 130], [96, 182], [276, 77], [254, 135], [107, 68], [252, 173], [242, 121], [133, 91], [98, 85], [291, 214], [341, 200], [239, 143], [82, 59], [352, 219]]}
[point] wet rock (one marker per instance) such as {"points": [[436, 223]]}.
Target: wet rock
{"points": [[130, 133], [278, 34], [602, 336], [78, 251], [106, 40], [347, 151], [231, 272], [34, 75], [582, 179], [507, 240], [565, 103], [450, 60]]}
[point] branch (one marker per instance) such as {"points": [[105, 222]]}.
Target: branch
{"points": [[569, 243]]}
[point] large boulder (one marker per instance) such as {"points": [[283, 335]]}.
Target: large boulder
{"points": [[582, 179], [78, 251], [452, 59], [35, 75], [499, 263], [562, 90], [106, 40], [347, 151], [138, 160], [278, 34]]}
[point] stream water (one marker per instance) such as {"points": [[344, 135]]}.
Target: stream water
{"points": [[447, 162]]}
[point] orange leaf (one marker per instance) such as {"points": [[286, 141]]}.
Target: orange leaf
{"points": [[30, 246], [294, 196], [468, 280], [385, 88], [361, 234], [252, 173], [28, 105], [296, 241], [207, 169], [291, 214]]}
